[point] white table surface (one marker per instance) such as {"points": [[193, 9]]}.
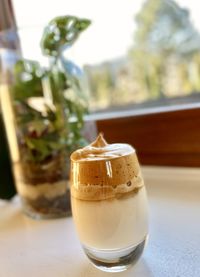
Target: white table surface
{"points": [[50, 248]]}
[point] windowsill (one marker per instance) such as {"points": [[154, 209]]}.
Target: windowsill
{"points": [[178, 176], [138, 112], [51, 247]]}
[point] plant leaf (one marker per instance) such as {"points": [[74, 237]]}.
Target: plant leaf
{"points": [[61, 32]]}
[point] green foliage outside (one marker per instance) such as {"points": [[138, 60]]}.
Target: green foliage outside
{"points": [[164, 60], [165, 41]]}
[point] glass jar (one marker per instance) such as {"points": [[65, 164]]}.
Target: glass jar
{"points": [[37, 130]]}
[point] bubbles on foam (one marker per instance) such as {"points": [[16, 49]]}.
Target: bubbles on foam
{"points": [[128, 183]]}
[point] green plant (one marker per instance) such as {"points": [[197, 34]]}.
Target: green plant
{"points": [[50, 125]]}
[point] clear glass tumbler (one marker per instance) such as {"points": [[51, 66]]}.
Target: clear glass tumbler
{"points": [[109, 204]]}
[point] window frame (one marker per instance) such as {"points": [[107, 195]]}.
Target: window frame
{"points": [[164, 136]]}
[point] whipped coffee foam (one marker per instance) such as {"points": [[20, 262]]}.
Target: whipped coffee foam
{"points": [[101, 170], [101, 150]]}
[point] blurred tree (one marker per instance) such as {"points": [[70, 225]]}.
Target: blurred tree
{"points": [[102, 84], [163, 31]]}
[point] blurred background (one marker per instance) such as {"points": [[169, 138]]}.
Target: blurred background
{"points": [[135, 55], [135, 52]]}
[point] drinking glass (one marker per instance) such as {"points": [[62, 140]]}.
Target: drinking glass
{"points": [[109, 205]]}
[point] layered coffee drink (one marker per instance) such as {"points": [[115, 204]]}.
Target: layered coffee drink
{"points": [[109, 204]]}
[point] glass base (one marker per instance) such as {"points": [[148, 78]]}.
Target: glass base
{"points": [[38, 216], [115, 260], [43, 209]]}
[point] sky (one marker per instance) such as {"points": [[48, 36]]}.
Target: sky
{"points": [[109, 36]]}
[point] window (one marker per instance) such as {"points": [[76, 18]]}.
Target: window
{"points": [[141, 53], [137, 54]]}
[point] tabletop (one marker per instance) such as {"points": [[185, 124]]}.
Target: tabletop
{"points": [[51, 247]]}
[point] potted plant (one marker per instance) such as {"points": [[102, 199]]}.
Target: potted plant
{"points": [[48, 119]]}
